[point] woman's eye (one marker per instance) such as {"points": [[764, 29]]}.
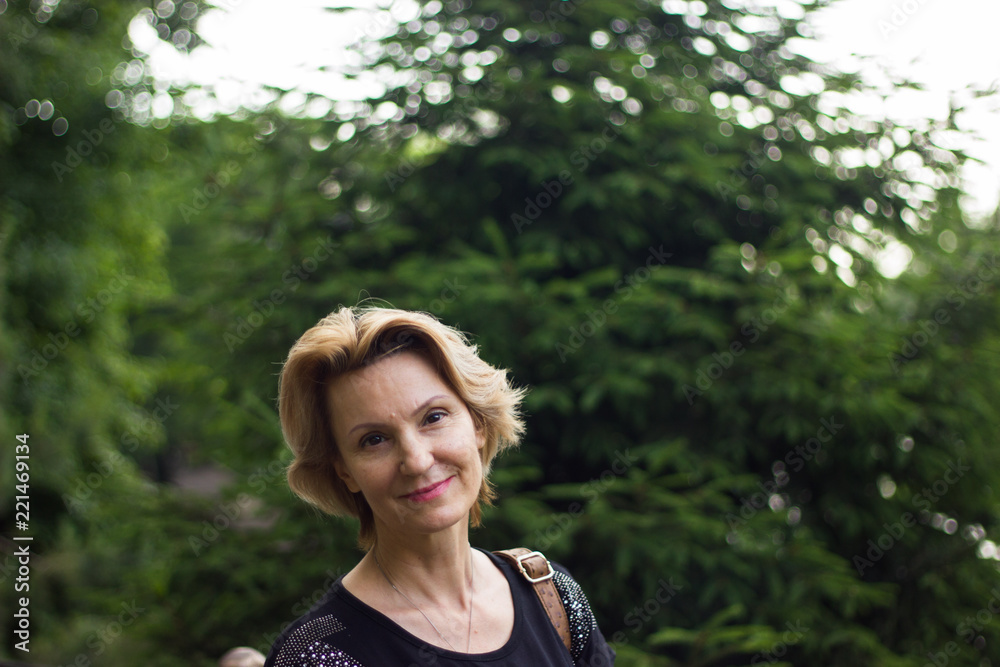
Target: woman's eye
{"points": [[372, 440], [435, 416]]}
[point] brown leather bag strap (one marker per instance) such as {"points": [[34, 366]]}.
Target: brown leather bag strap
{"points": [[537, 569]]}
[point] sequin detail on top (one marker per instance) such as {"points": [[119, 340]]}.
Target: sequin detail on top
{"points": [[305, 646], [581, 619]]}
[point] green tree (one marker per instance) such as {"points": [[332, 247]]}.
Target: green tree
{"points": [[747, 441], [668, 231], [83, 255]]}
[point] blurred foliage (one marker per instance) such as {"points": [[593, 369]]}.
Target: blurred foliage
{"points": [[745, 440]]}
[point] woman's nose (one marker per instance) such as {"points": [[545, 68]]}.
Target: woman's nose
{"points": [[416, 456]]}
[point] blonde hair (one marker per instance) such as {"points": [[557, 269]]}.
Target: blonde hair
{"points": [[352, 338]]}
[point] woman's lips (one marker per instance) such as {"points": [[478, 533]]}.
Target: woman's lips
{"points": [[429, 492]]}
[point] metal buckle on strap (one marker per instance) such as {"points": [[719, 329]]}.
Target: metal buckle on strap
{"points": [[534, 580]]}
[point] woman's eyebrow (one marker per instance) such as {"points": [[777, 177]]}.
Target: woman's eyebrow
{"points": [[419, 409]]}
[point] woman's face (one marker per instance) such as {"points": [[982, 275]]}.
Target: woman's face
{"points": [[407, 442]]}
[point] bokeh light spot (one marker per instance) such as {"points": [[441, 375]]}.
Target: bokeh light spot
{"points": [[948, 241], [561, 94], [599, 39]]}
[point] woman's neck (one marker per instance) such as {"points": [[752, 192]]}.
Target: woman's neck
{"points": [[436, 569]]}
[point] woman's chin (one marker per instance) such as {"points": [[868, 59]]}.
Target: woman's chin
{"points": [[427, 520]]}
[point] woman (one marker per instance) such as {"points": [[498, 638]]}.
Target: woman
{"points": [[395, 420]]}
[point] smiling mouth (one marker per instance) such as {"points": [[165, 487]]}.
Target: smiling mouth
{"points": [[429, 492]]}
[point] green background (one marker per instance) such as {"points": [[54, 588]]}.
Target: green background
{"points": [[747, 443]]}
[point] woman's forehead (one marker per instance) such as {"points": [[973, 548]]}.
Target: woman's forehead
{"points": [[397, 380]]}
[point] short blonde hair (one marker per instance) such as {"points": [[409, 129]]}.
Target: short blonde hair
{"points": [[352, 338]]}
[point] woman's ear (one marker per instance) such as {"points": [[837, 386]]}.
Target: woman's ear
{"points": [[344, 474]]}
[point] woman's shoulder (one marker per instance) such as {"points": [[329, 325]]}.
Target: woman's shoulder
{"points": [[569, 590], [582, 623], [585, 636], [341, 630], [311, 639]]}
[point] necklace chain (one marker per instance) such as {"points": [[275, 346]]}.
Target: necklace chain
{"points": [[472, 598]]}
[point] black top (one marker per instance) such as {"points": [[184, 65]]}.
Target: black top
{"points": [[342, 631]]}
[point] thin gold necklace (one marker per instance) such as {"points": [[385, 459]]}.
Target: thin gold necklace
{"points": [[472, 598]]}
